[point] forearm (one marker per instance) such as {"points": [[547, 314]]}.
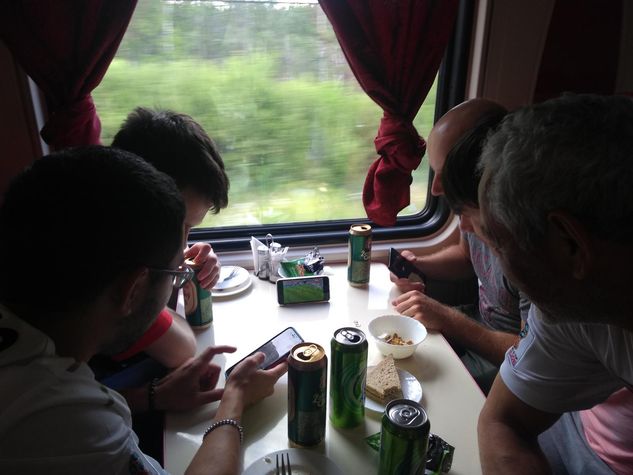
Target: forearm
{"points": [[490, 344], [176, 346], [450, 263], [503, 450], [220, 451]]}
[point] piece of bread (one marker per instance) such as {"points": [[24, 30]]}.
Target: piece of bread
{"points": [[383, 382]]}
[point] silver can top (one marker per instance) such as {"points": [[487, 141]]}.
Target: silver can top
{"points": [[406, 414], [349, 336]]}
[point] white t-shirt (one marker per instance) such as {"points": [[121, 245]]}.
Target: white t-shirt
{"points": [[570, 366], [55, 418]]}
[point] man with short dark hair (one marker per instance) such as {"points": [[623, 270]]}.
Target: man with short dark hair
{"points": [[557, 208], [483, 332], [72, 216], [177, 145]]}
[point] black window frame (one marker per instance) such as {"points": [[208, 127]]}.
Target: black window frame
{"points": [[450, 92]]}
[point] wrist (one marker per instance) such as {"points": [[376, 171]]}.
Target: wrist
{"points": [[232, 404]]}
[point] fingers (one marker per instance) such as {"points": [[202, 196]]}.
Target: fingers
{"points": [[408, 255], [278, 371], [208, 353]]}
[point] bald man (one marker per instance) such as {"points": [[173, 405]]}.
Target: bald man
{"points": [[481, 333]]}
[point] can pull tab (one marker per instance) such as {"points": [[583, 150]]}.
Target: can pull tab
{"points": [[307, 353], [350, 336], [407, 415]]}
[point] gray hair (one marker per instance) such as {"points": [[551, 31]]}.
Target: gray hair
{"points": [[572, 154]]}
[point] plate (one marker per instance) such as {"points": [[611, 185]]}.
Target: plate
{"points": [[302, 462], [243, 276], [237, 279], [411, 389]]}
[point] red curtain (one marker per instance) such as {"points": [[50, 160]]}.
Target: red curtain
{"points": [[66, 48], [394, 49]]}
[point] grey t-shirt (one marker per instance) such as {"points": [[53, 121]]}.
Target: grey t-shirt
{"points": [[501, 305], [568, 366]]}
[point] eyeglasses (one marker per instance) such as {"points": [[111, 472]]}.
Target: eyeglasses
{"points": [[182, 275]]}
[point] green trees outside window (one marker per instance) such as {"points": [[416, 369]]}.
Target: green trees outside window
{"points": [[268, 82]]}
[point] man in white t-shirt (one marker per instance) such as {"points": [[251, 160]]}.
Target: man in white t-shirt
{"points": [[557, 209], [71, 286]]}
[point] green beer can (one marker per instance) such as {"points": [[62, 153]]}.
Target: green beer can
{"points": [[348, 372], [307, 385], [404, 438], [359, 257], [198, 303]]}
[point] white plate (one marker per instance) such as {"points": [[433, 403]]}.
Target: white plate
{"points": [[238, 279], [411, 389], [233, 290], [302, 462]]}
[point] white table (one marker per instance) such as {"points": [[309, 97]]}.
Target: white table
{"points": [[450, 396]]}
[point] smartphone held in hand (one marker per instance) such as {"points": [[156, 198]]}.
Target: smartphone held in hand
{"points": [[276, 349], [403, 268]]}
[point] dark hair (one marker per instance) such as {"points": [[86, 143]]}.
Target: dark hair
{"points": [[177, 145], [572, 153], [76, 219], [460, 175]]}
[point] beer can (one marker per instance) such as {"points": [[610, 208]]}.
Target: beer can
{"points": [[307, 384], [348, 371], [198, 303], [404, 438], [359, 255]]}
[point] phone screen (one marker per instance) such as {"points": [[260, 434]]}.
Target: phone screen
{"points": [[275, 349], [303, 290]]}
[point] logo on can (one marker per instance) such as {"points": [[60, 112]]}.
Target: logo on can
{"points": [[404, 438], [359, 257], [348, 372], [307, 383], [198, 303]]}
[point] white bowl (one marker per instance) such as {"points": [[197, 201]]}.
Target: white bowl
{"points": [[406, 327]]}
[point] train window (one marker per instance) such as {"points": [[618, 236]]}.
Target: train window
{"points": [[269, 83]]}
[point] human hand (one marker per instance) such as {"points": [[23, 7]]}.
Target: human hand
{"points": [[193, 383], [423, 308], [251, 383], [201, 253], [403, 283]]}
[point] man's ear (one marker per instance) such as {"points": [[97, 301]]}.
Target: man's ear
{"points": [[130, 287], [572, 243]]}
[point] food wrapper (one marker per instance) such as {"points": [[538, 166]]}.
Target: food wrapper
{"points": [[439, 455], [310, 264]]}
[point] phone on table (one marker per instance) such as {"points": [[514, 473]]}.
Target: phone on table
{"points": [[403, 268], [276, 349], [308, 289]]}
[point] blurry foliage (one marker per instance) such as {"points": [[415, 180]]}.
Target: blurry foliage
{"points": [[272, 88]]}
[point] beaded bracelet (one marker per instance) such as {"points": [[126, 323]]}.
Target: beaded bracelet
{"points": [[151, 394], [226, 422]]}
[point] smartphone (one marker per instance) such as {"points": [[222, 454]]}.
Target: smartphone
{"points": [[403, 268], [314, 288], [276, 349]]}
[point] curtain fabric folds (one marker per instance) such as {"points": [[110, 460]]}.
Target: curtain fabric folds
{"points": [[394, 48], [66, 48]]}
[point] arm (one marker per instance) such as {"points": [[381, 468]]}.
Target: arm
{"points": [[455, 325], [507, 432], [220, 449], [450, 263], [176, 345]]}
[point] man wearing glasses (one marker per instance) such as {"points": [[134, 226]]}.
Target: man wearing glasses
{"points": [[92, 293]]}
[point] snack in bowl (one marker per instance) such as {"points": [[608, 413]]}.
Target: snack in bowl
{"points": [[383, 382], [407, 329], [394, 339]]}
